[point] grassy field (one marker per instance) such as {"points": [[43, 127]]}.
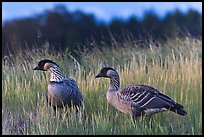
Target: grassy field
{"points": [[174, 68]]}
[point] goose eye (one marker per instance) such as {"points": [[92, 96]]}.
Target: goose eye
{"points": [[103, 71], [41, 65]]}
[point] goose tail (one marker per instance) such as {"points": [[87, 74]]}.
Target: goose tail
{"points": [[178, 109]]}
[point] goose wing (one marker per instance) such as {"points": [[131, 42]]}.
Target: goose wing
{"points": [[145, 97], [73, 90]]}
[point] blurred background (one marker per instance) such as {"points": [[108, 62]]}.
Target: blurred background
{"points": [[152, 43], [75, 26]]}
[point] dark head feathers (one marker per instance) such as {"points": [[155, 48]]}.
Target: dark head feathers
{"points": [[46, 61], [41, 64], [104, 71]]}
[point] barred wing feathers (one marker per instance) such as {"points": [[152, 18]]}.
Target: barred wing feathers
{"points": [[73, 90], [146, 97]]}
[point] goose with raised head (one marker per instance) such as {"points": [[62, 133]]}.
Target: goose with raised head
{"points": [[61, 91], [137, 99]]}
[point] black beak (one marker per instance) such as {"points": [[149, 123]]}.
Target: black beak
{"points": [[36, 68], [98, 76]]}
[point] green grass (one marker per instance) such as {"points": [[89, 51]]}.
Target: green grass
{"points": [[174, 68]]}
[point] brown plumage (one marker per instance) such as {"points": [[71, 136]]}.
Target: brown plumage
{"points": [[137, 99], [61, 91]]}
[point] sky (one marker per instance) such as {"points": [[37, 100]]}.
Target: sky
{"points": [[104, 11]]}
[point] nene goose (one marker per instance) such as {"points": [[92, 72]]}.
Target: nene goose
{"points": [[61, 91], [137, 100]]}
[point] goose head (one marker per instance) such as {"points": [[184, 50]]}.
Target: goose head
{"points": [[45, 65]]}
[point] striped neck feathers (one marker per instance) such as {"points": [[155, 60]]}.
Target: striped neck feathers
{"points": [[56, 74], [114, 82]]}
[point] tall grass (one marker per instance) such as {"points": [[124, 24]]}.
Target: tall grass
{"points": [[174, 68]]}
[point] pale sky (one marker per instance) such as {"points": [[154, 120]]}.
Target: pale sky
{"points": [[102, 10]]}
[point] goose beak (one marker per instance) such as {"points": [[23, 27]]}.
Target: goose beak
{"points": [[36, 68], [98, 76]]}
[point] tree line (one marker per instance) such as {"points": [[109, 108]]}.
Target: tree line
{"points": [[75, 31]]}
